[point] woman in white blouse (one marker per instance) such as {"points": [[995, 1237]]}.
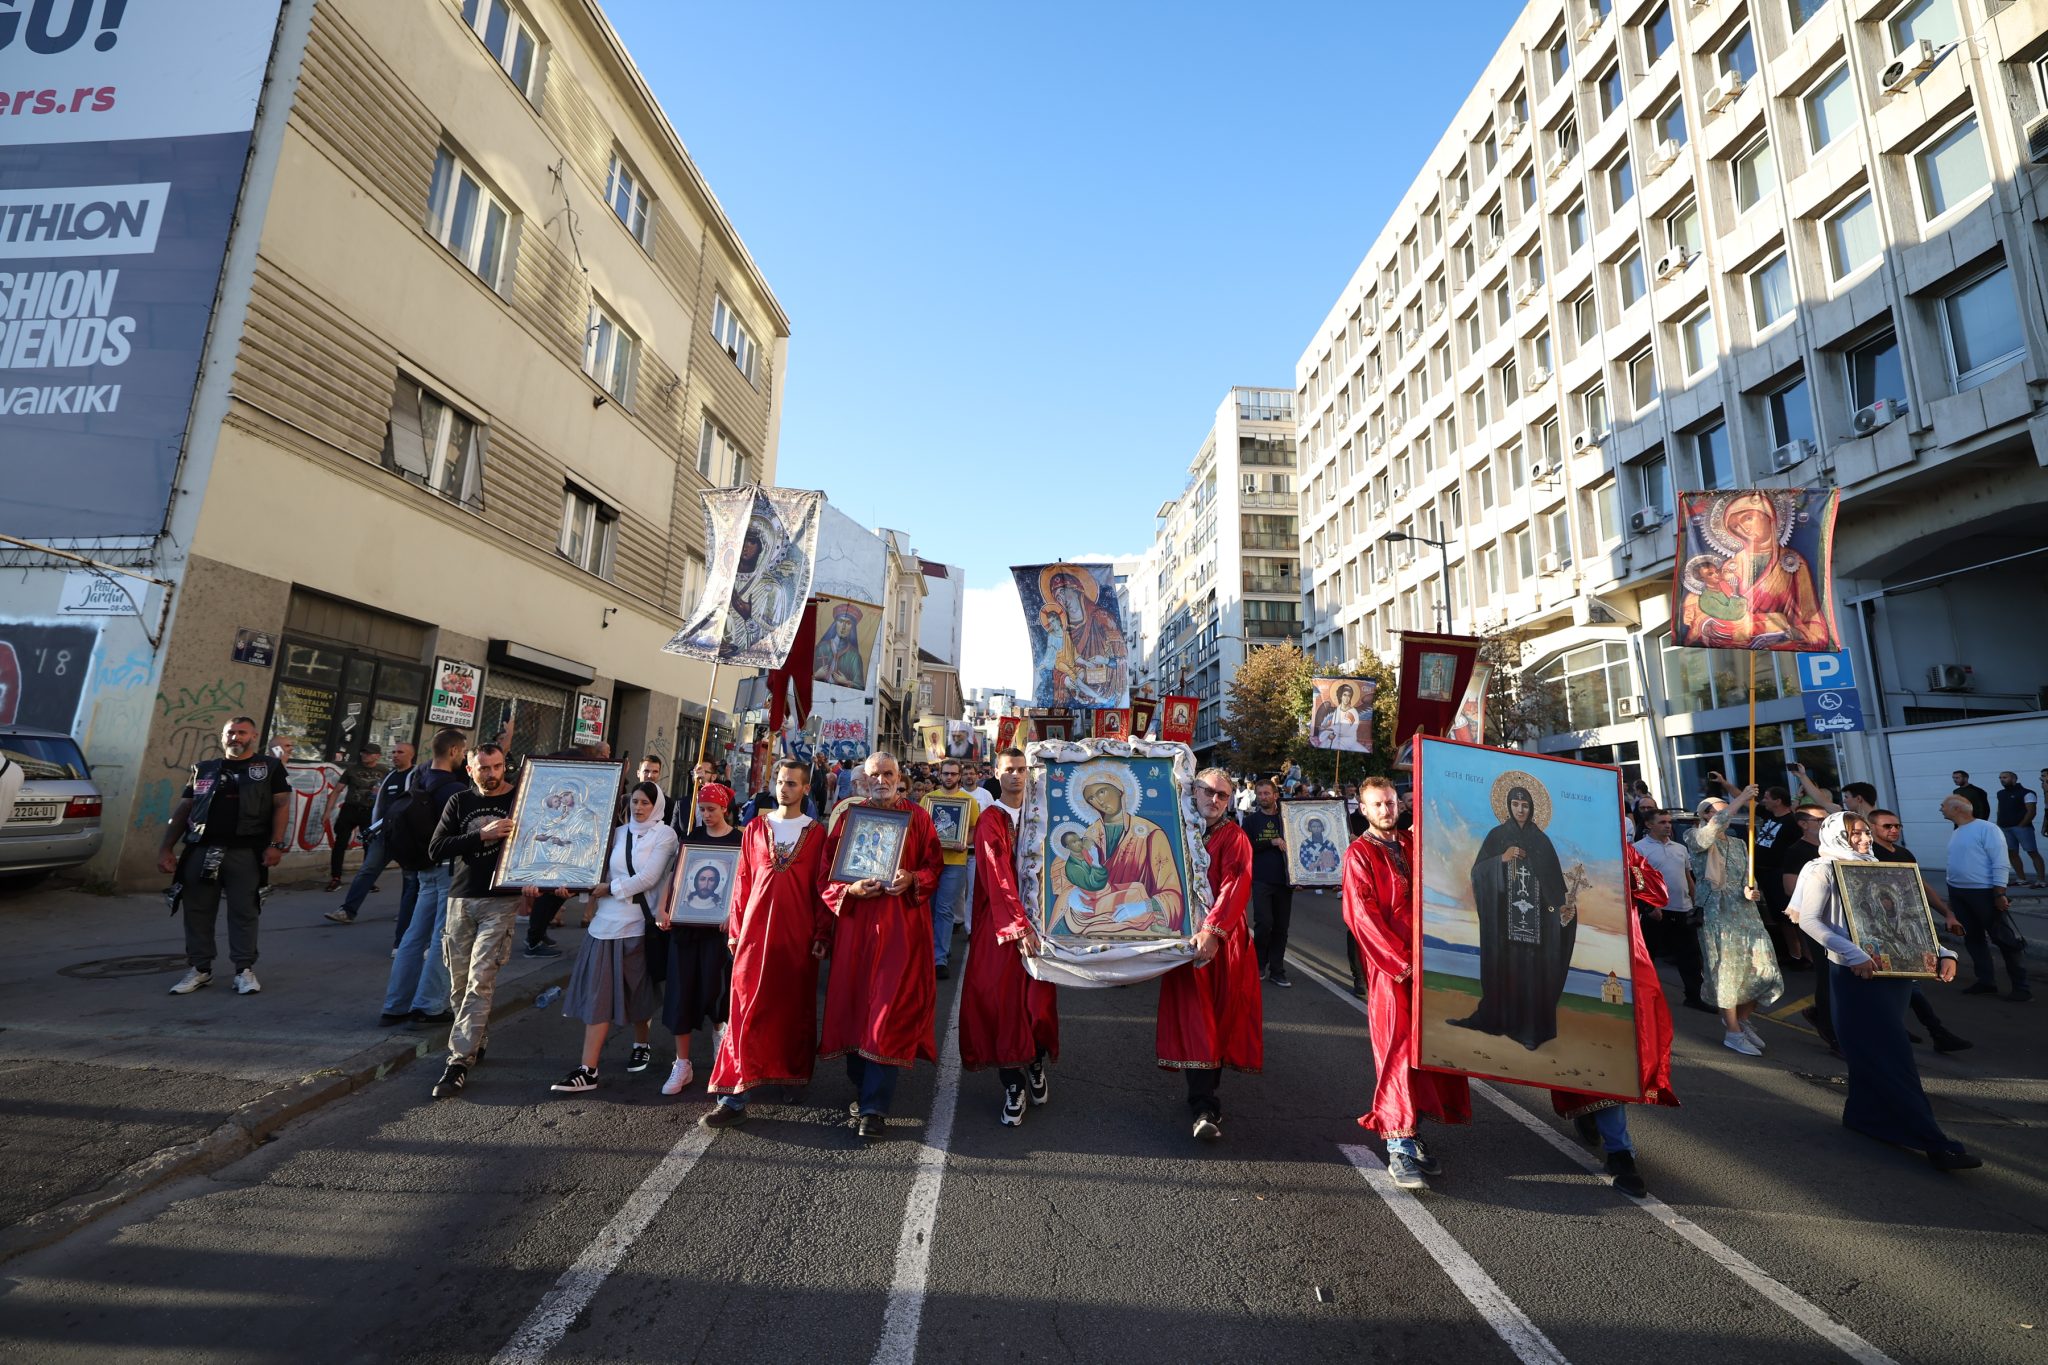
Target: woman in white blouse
{"points": [[1885, 1099], [609, 987]]}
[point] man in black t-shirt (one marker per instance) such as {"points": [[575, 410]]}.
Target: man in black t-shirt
{"points": [[1272, 893], [477, 937], [231, 821]]}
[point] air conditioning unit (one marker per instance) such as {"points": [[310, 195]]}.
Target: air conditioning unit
{"points": [[1457, 204], [1724, 92], [1582, 442], [1882, 413], [1913, 62], [1948, 678], [1510, 129], [1645, 519], [1492, 247], [1251, 483], [1541, 470], [1671, 265], [1436, 312], [1547, 565], [1589, 18], [1790, 454], [1628, 708], [1538, 377], [1526, 295], [1555, 167], [1398, 492], [1366, 327], [2037, 141], [1667, 153]]}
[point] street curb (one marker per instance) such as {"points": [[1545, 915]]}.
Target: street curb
{"points": [[249, 1126]]}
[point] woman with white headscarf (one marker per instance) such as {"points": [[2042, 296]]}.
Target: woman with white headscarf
{"points": [[1885, 1099], [1741, 966]]}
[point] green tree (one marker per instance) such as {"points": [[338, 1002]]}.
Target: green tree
{"points": [[1519, 707], [1260, 716]]}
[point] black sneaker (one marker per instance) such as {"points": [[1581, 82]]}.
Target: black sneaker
{"points": [[451, 1082], [388, 1020], [1944, 1041], [1208, 1127], [1278, 977], [1041, 1085], [1013, 1105], [542, 950], [1621, 1166], [422, 1017], [722, 1116], [1426, 1163], [581, 1079], [2020, 996], [639, 1059], [943, 971], [1955, 1160], [871, 1125], [1358, 989], [1981, 988]]}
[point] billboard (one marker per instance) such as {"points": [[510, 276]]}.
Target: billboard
{"points": [[124, 129]]}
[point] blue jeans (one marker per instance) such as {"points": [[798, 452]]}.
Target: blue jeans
{"points": [[419, 978], [1613, 1126], [877, 1083], [945, 905], [375, 860]]}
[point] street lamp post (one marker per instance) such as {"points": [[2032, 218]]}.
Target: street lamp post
{"points": [[1443, 548]]}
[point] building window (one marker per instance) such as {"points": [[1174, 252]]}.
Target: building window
{"points": [[719, 458], [1594, 406], [1756, 173], [433, 444], [1717, 461], [1557, 534], [1934, 20], [628, 198], [1852, 237], [1524, 549], [611, 354], [736, 340], [1738, 57], [1770, 290], [586, 536], [1951, 169], [1610, 90], [1587, 680], [1552, 447], [1670, 122], [1657, 33], [1560, 54], [1791, 413], [1510, 383], [1629, 274], [1621, 184], [1802, 10], [1682, 229], [1830, 109], [1532, 268], [1482, 486], [1875, 372], [468, 219], [1642, 380], [1575, 226], [1654, 484], [1696, 339], [1980, 325], [1489, 563], [1599, 516], [1567, 138], [1586, 316], [1518, 468], [510, 38], [693, 581], [1528, 184]]}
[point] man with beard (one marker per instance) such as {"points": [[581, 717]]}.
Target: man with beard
{"points": [[476, 939], [1528, 925], [232, 820], [1008, 1019]]}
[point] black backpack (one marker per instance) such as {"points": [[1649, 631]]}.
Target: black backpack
{"points": [[409, 822]]}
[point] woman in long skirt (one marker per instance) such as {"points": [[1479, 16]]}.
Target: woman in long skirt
{"points": [[609, 987], [698, 985], [1741, 966], [1885, 1099]]}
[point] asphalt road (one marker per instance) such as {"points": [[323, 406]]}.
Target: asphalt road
{"points": [[606, 1227]]}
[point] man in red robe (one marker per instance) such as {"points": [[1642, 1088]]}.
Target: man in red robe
{"points": [[1008, 1018], [1379, 912], [1602, 1122], [777, 931], [881, 997], [1209, 1009]]}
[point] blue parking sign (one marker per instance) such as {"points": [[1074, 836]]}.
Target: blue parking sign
{"points": [[1833, 712], [1819, 672]]}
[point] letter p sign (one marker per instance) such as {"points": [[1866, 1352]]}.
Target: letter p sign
{"points": [[1825, 672]]}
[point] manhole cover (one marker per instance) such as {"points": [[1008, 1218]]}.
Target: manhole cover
{"points": [[107, 968]]}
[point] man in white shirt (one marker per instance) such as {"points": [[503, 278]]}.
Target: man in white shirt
{"points": [[1672, 932], [1977, 872]]}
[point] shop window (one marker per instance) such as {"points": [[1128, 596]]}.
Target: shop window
{"points": [[1585, 683], [330, 701]]}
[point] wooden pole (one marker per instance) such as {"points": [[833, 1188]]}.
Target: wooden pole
{"points": [[1752, 768], [703, 737], [1337, 781]]}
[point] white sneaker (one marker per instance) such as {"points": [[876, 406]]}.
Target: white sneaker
{"points": [[1749, 1032], [246, 982], [192, 981], [679, 1078], [1739, 1042]]}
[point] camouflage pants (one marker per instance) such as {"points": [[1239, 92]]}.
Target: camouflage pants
{"points": [[476, 940]]}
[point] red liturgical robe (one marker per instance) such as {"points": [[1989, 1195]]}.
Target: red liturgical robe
{"points": [[1653, 1016], [1379, 910], [880, 998], [1007, 1018], [1210, 1016], [771, 1038]]}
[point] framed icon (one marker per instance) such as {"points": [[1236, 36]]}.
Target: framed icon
{"points": [[1888, 917], [561, 824], [950, 819], [702, 890], [871, 840]]}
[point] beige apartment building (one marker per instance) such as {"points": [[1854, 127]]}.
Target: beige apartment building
{"points": [[484, 337], [1674, 245]]}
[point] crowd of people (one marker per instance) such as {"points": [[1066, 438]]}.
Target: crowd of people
{"points": [[1732, 929]]}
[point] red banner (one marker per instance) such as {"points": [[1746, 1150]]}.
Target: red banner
{"points": [[1435, 671], [795, 671], [1113, 723], [1142, 711], [1006, 733], [1177, 718]]}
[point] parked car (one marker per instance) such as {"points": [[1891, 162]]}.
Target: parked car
{"points": [[55, 820]]}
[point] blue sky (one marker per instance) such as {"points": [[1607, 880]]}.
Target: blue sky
{"points": [[1026, 249]]}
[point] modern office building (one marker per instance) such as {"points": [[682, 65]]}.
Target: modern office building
{"points": [[1226, 556], [482, 338], [1693, 244]]}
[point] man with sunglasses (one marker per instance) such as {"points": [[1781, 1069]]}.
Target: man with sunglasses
{"points": [[1886, 847], [1209, 1008]]}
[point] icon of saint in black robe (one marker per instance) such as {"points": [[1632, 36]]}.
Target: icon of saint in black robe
{"points": [[1528, 924]]}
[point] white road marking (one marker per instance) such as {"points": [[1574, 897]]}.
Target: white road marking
{"points": [[905, 1311], [1523, 1337], [1723, 1255], [579, 1284]]}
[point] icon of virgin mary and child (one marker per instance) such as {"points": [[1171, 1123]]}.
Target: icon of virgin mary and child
{"points": [[1117, 877], [1752, 590]]}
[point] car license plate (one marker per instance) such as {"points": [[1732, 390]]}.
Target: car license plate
{"points": [[38, 810]]}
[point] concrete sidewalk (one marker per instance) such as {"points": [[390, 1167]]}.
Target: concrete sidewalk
{"points": [[112, 1085]]}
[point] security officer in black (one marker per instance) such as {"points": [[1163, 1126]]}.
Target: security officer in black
{"points": [[232, 825]]}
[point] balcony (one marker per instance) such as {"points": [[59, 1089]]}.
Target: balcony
{"points": [[1283, 584], [1284, 502], [1260, 540], [1272, 630]]}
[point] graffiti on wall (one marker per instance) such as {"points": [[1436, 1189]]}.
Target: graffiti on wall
{"points": [[194, 719]]}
